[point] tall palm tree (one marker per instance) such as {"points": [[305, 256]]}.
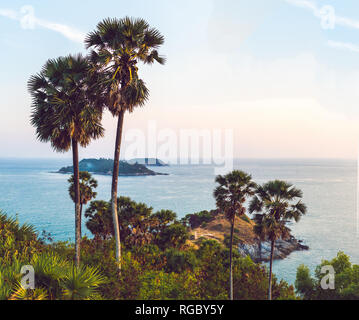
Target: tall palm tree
{"points": [[67, 112], [118, 46], [230, 195], [276, 203]]}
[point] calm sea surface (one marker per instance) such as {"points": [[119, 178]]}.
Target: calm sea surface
{"points": [[37, 196]]}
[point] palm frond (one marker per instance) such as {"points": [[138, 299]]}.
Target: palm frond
{"points": [[81, 283]]}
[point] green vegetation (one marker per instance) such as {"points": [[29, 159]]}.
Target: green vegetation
{"points": [[87, 187], [56, 275], [346, 280], [199, 219], [138, 224], [161, 268]]}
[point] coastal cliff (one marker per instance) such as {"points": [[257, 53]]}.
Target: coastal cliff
{"points": [[218, 228]]}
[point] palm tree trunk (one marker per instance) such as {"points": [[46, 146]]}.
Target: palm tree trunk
{"points": [[230, 263], [75, 159], [80, 217], [115, 174], [270, 271]]}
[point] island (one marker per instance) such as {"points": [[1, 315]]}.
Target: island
{"points": [[149, 162], [105, 167]]}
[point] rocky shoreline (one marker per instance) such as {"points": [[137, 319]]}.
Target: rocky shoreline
{"points": [[219, 228], [261, 252]]}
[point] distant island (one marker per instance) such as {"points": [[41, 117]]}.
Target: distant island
{"points": [[149, 162], [105, 167]]}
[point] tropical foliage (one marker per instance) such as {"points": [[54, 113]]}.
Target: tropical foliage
{"points": [[138, 224], [160, 269], [56, 275], [345, 280]]}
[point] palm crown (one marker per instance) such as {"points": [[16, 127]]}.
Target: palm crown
{"points": [[87, 187], [65, 105], [119, 44], [279, 199], [232, 192]]}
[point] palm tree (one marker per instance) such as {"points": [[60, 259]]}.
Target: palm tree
{"points": [[87, 185], [118, 45], [260, 230], [67, 112], [276, 203], [230, 195]]}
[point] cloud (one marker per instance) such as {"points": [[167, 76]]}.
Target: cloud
{"points": [[321, 13], [9, 14], [66, 31], [344, 45], [28, 20], [329, 20]]}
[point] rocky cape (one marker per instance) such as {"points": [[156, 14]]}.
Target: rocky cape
{"points": [[105, 167], [249, 244], [260, 252]]}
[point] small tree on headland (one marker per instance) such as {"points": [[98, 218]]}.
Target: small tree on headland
{"points": [[276, 203], [230, 195], [87, 186]]}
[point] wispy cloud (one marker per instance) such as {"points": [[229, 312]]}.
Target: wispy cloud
{"points": [[344, 45], [9, 14], [317, 12], [322, 13], [347, 22], [28, 20]]}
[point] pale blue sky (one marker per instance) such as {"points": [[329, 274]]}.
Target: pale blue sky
{"points": [[265, 68]]}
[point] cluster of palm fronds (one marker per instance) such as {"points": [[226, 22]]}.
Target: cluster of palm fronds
{"points": [[55, 277]]}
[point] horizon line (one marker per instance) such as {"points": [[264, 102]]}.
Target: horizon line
{"points": [[178, 160]]}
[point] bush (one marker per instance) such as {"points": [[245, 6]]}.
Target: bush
{"points": [[346, 280]]}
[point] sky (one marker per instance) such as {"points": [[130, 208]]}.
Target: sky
{"points": [[282, 74]]}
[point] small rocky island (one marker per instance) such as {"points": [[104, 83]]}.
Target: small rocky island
{"points": [[212, 225], [105, 167], [149, 162]]}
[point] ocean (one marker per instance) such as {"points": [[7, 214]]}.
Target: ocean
{"points": [[30, 191]]}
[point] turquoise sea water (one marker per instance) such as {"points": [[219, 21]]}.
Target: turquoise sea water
{"points": [[37, 196]]}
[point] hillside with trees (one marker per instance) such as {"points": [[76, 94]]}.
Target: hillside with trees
{"points": [[105, 167]]}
